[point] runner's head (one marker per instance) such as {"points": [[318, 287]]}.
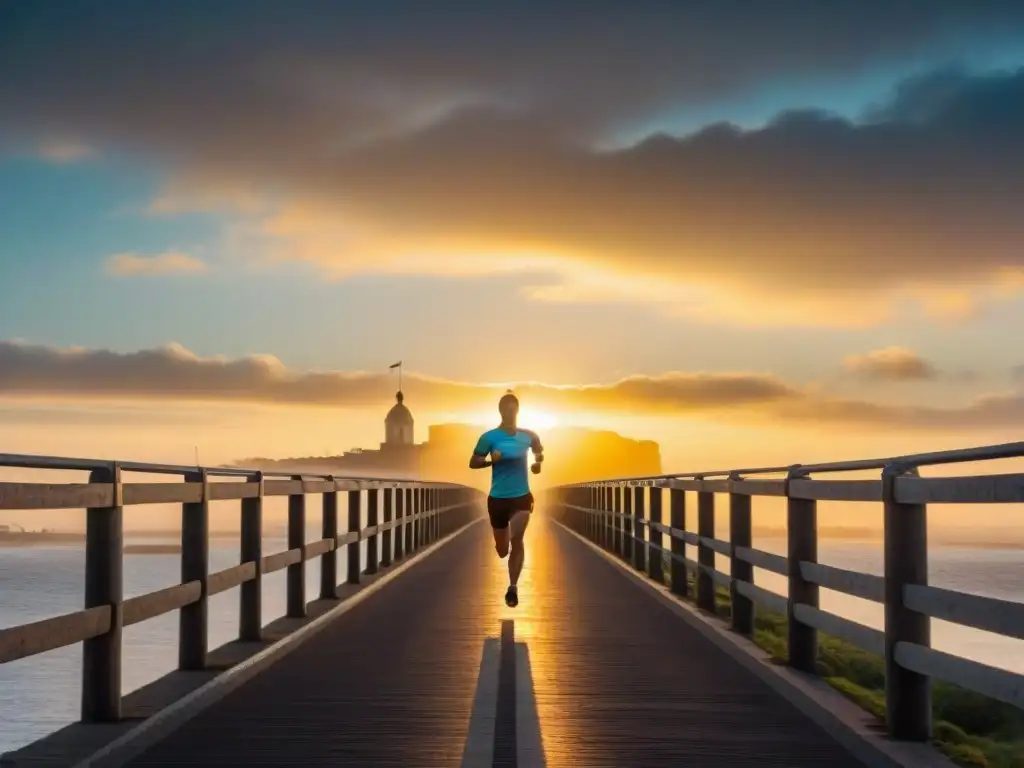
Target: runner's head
{"points": [[508, 407]]}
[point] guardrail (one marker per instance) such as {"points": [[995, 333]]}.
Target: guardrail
{"points": [[615, 514], [406, 515]]}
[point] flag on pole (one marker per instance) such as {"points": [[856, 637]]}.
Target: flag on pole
{"points": [[396, 365]]}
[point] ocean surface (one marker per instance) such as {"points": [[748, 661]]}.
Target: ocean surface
{"points": [[41, 694]]}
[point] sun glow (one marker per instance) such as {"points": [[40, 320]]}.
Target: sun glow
{"points": [[531, 418]]}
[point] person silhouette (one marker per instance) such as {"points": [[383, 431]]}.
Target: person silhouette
{"points": [[510, 502]]}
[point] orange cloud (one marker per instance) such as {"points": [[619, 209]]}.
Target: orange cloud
{"points": [[891, 364], [175, 373]]}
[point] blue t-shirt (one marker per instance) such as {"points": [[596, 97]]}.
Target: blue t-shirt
{"points": [[508, 476]]}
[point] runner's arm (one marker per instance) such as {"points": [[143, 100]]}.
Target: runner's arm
{"points": [[479, 458], [538, 453], [537, 448]]}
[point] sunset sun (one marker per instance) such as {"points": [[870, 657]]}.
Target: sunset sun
{"points": [[533, 418]]}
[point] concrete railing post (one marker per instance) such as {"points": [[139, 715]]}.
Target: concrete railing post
{"points": [[195, 566], [802, 527], [908, 694], [104, 585]]}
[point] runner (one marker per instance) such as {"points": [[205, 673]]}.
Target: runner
{"points": [[510, 502]]}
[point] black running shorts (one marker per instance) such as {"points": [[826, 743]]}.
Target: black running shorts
{"points": [[501, 510]]}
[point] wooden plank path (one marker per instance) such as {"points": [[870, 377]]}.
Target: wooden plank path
{"points": [[434, 670]]}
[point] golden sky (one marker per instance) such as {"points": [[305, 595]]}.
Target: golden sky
{"points": [[767, 236]]}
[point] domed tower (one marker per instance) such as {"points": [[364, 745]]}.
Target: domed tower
{"points": [[398, 424]]}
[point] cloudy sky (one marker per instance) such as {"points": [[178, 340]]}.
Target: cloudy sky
{"points": [[672, 218]]}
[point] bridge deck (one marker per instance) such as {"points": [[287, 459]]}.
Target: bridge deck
{"points": [[618, 679]]}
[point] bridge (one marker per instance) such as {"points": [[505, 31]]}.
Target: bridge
{"points": [[624, 650]]}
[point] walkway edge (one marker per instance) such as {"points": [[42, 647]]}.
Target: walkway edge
{"points": [[166, 721], [842, 719]]}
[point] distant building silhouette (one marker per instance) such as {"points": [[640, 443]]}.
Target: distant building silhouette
{"points": [[573, 454], [398, 424]]}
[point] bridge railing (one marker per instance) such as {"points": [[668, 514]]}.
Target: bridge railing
{"points": [[407, 514], [625, 516]]}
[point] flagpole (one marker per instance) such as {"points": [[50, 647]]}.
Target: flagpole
{"points": [[398, 365]]}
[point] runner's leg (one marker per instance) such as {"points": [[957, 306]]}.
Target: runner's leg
{"points": [[501, 541], [517, 552], [498, 512]]}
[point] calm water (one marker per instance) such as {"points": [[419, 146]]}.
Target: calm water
{"points": [[40, 694]]}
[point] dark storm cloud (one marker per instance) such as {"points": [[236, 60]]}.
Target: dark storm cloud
{"points": [[349, 65]]}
